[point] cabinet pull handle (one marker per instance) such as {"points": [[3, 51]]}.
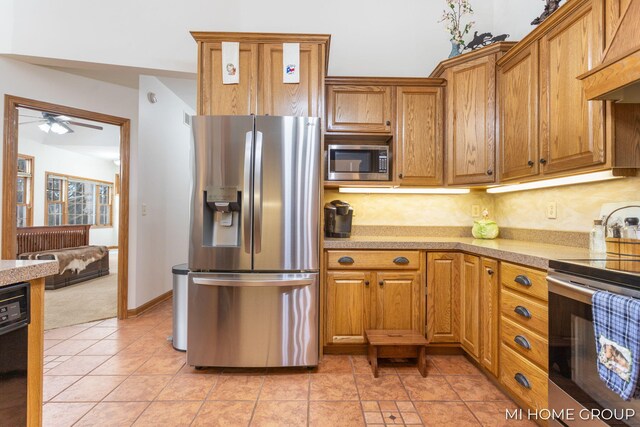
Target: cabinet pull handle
{"points": [[388, 122], [381, 282], [522, 311], [522, 380], [523, 280], [490, 272], [530, 163], [543, 161], [366, 283], [345, 260], [490, 172], [400, 176], [401, 260], [522, 342]]}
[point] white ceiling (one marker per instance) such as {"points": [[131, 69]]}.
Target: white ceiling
{"points": [[103, 144]]}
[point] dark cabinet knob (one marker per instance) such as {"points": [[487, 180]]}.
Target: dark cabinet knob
{"points": [[522, 311], [522, 342], [490, 172], [490, 272], [530, 163], [401, 260], [522, 380], [400, 176], [366, 283], [381, 282], [523, 280], [345, 260], [388, 122], [543, 161]]}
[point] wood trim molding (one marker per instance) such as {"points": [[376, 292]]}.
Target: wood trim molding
{"points": [[35, 355], [385, 81], [150, 304], [499, 47], [207, 36], [9, 172]]}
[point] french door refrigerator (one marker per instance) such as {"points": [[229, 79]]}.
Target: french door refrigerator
{"points": [[254, 247]]}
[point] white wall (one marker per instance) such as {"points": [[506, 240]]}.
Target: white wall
{"points": [[164, 186], [369, 37], [52, 159], [6, 24], [29, 81]]}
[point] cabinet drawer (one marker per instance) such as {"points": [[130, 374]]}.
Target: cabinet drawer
{"points": [[526, 343], [373, 260], [523, 378], [525, 312], [526, 280]]}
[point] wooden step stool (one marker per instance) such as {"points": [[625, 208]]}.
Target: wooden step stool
{"points": [[391, 343]]}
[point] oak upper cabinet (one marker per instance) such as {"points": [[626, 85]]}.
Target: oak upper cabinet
{"points": [[443, 297], [359, 108], [348, 307], [260, 89], [572, 131], [470, 305], [215, 98], [490, 314], [518, 116], [613, 10], [419, 152], [398, 297], [470, 110], [284, 99]]}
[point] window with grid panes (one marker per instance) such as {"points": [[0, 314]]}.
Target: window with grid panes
{"points": [[104, 204], [78, 201], [24, 196]]}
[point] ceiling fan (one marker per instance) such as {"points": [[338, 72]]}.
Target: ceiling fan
{"points": [[58, 124]]}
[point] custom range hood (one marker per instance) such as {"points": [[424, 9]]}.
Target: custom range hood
{"points": [[618, 77]]}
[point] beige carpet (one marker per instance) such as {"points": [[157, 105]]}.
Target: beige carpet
{"points": [[87, 301]]}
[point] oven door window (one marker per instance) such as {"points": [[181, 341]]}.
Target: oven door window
{"points": [[572, 357], [352, 161]]}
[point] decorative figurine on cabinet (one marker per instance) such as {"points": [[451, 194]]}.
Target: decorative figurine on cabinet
{"points": [[549, 8], [484, 39]]}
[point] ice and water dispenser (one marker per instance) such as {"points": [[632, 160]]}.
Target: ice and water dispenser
{"points": [[221, 225]]}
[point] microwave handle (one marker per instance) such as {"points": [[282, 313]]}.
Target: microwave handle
{"points": [[569, 290]]}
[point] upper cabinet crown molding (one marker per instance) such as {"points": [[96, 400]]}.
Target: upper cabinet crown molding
{"points": [[499, 47], [385, 81]]}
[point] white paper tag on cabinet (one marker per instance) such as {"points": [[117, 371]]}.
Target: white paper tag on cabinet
{"points": [[291, 62], [230, 63]]}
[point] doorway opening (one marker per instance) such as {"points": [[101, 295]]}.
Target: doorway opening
{"points": [[66, 197]]}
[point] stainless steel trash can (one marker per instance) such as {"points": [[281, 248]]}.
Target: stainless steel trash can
{"points": [[180, 273]]}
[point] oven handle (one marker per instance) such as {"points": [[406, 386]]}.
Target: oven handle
{"points": [[569, 290]]}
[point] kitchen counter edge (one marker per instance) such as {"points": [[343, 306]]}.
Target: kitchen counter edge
{"points": [[15, 271]]}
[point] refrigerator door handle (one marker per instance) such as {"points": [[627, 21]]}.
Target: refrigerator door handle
{"points": [[257, 238], [252, 283], [246, 193]]}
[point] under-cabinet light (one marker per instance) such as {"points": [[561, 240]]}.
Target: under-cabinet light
{"points": [[555, 182], [395, 190]]}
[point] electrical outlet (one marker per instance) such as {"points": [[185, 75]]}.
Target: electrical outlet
{"points": [[475, 211], [144, 209], [552, 210]]}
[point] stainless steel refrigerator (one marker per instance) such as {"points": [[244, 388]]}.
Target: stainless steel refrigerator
{"points": [[254, 246]]}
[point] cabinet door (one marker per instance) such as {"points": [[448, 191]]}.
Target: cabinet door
{"points": [[359, 109], [470, 305], [291, 99], [613, 11], [518, 115], [571, 128], [419, 135], [216, 98], [443, 297], [398, 301], [489, 314], [348, 307], [471, 92]]}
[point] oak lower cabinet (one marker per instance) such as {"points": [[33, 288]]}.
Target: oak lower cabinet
{"points": [[372, 290], [470, 305], [443, 297], [260, 89], [524, 334]]}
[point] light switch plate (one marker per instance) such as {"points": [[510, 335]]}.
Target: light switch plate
{"points": [[475, 211], [552, 210]]}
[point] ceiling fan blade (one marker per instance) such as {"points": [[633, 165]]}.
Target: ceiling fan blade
{"points": [[32, 121], [84, 125], [31, 117]]}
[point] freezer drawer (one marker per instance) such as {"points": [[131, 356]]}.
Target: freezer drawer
{"points": [[253, 319]]}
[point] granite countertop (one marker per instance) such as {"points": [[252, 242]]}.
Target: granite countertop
{"points": [[14, 271], [516, 251]]}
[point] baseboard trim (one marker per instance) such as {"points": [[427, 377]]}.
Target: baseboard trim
{"points": [[133, 312]]}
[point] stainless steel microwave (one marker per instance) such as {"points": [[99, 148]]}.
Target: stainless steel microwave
{"points": [[358, 163]]}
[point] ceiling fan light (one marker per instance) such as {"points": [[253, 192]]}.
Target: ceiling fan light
{"points": [[45, 127], [59, 129]]}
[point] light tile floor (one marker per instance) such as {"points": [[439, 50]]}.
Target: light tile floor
{"points": [[127, 373]]}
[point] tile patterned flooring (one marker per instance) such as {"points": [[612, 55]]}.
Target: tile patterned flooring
{"points": [[126, 373]]}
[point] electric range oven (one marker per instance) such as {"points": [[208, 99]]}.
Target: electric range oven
{"points": [[577, 396]]}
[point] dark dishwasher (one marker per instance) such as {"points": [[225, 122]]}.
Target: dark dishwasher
{"points": [[14, 319]]}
